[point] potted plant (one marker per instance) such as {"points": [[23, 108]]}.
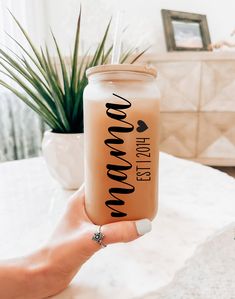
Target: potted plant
{"points": [[53, 88]]}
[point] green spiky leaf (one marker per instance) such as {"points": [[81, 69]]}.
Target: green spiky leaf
{"points": [[54, 90]]}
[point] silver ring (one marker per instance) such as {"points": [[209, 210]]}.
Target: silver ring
{"points": [[98, 238]]}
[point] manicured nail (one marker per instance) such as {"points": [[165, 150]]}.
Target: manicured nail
{"points": [[143, 226]]}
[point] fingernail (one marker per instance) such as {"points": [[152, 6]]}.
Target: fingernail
{"points": [[143, 226]]}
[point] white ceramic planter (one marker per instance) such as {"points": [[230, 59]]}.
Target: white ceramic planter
{"points": [[64, 155]]}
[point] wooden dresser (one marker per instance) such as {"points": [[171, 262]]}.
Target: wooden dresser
{"points": [[198, 105]]}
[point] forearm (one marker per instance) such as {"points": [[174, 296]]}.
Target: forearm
{"points": [[27, 278]]}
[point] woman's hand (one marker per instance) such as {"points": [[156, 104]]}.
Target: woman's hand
{"points": [[51, 269]]}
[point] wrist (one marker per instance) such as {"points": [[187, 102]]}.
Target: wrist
{"points": [[39, 274], [26, 277], [42, 270]]}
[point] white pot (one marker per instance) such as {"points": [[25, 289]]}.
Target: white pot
{"points": [[64, 155]]}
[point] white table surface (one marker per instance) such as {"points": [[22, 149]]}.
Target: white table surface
{"points": [[195, 202]]}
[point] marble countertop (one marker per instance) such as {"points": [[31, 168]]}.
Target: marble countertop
{"points": [[195, 203]]}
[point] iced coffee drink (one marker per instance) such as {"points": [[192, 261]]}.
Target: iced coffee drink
{"points": [[121, 125]]}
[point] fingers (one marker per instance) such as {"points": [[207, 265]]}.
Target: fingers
{"points": [[125, 231], [122, 231], [76, 206]]}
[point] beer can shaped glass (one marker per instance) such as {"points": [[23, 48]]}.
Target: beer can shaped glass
{"points": [[121, 126]]}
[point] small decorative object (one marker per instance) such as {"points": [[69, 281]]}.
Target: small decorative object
{"points": [[225, 44], [53, 88], [185, 31]]}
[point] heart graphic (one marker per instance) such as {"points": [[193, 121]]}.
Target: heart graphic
{"points": [[141, 126]]}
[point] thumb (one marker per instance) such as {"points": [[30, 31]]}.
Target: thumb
{"points": [[125, 231], [122, 231]]}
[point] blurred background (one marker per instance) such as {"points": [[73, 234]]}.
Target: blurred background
{"points": [[197, 87], [143, 19]]}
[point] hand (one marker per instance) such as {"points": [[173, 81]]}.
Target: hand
{"points": [[49, 270], [71, 245]]}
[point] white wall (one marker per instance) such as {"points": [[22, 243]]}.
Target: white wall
{"points": [[30, 14], [142, 16]]}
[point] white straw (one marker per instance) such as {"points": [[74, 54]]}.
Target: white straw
{"points": [[117, 40]]}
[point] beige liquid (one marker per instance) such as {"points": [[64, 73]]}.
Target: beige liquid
{"points": [[139, 149]]}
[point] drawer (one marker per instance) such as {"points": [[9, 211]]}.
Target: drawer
{"points": [[179, 84], [218, 86], [178, 134], [216, 135]]}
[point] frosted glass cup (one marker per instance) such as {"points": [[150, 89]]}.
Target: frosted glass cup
{"points": [[121, 125]]}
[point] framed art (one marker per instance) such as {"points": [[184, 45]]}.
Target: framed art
{"points": [[185, 31]]}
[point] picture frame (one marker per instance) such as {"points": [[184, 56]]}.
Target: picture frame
{"points": [[185, 31]]}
